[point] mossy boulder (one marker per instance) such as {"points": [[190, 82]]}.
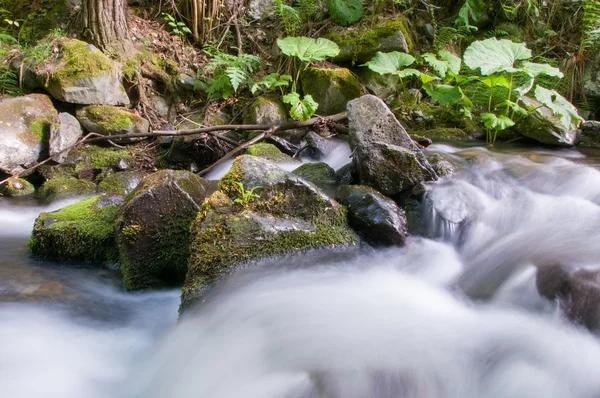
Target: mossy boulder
{"points": [[82, 231], [16, 187], [290, 216], [153, 228], [346, 175], [385, 156], [359, 44], [380, 85], [543, 126], [83, 75], [121, 183], [376, 218], [330, 88], [110, 120], [442, 166], [62, 186], [24, 131], [317, 173], [590, 134], [265, 111], [269, 152]]}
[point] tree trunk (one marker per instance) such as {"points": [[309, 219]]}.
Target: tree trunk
{"points": [[105, 25]]}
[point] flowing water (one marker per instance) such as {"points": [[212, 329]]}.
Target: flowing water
{"points": [[405, 323]]}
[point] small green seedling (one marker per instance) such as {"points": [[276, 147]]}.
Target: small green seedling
{"points": [[247, 195]]}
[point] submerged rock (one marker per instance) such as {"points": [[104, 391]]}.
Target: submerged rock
{"points": [[317, 173], [24, 131], [330, 88], [376, 218], [16, 187], [82, 231], [384, 155], [289, 215], [153, 228], [346, 175], [66, 134], [110, 120], [317, 147], [442, 167]]}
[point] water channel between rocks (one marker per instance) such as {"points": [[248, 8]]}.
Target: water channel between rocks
{"points": [[392, 323]]}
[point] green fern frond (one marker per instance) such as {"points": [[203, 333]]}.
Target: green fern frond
{"points": [[590, 25], [288, 15]]}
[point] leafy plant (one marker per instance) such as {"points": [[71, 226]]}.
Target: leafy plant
{"points": [[9, 82], [289, 16], [444, 62], [230, 72], [560, 107], [179, 28], [470, 12], [247, 195], [271, 82], [306, 49], [345, 12], [393, 63]]}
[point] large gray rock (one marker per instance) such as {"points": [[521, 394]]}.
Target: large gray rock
{"points": [[25, 124], [66, 134], [290, 215], [83, 75], [376, 218], [385, 156], [590, 134], [317, 147], [542, 126], [258, 9], [153, 228], [317, 173]]}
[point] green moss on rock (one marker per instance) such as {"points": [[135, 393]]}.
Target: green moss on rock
{"points": [[16, 187], [265, 111], [79, 61], [82, 231], [267, 151], [444, 133], [62, 186], [318, 173], [330, 88], [121, 183]]}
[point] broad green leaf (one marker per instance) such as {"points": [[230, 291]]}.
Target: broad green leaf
{"points": [[425, 78], [494, 122], [472, 9], [495, 80], [516, 108], [308, 49], [560, 107], [443, 63], [526, 87], [494, 56], [345, 12], [443, 93], [390, 63], [301, 109], [535, 69], [408, 72]]}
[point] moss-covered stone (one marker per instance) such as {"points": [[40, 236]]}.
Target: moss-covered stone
{"points": [[61, 187], [153, 228], [16, 187], [268, 151], [330, 88], [82, 231], [290, 216], [264, 110], [110, 120], [317, 173], [79, 61], [443, 133], [121, 183], [360, 44]]}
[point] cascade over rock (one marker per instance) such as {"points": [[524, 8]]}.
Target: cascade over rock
{"points": [[385, 156], [290, 215]]}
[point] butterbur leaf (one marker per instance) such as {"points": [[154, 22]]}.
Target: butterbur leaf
{"points": [[443, 63], [443, 93], [390, 63], [560, 107], [526, 87], [495, 56], [345, 12], [308, 49], [425, 78], [495, 122], [535, 69], [516, 108], [301, 109], [495, 80], [407, 73]]}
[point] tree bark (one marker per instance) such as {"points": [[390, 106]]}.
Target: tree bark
{"points": [[105, 26]]}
